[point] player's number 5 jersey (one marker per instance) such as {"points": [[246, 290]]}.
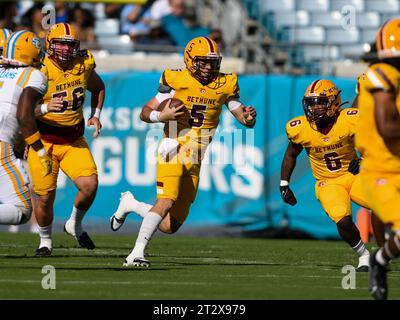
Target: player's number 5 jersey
{"points": [[204, 102], [330, 154]]}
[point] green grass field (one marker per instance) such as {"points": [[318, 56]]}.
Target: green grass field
{"points": [[183, 268]]}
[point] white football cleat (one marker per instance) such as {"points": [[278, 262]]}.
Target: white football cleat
{"points": [[363, 263], [83, 238], [126, 202], [136, 262]]}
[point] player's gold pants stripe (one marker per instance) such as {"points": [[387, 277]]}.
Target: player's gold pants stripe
{"points": [[10, 168], [24, 75]]}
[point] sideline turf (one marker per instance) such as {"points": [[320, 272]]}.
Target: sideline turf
{"points": [[183, 268]]}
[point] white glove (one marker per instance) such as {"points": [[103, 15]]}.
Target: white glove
{"points": [[168, 148]]}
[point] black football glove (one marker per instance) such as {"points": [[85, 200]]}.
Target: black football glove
{"points": [[354, 166], [288, 195]]}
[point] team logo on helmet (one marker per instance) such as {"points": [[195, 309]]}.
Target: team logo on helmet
{"points": [[23, 49], [36, 43]]}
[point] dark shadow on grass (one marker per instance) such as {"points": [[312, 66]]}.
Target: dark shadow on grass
{"points": [[97, 269], [65, 256], [329, 267]]}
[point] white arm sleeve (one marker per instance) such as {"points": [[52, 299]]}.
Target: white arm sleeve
{"points": [[164, 96], [38, 81], [233, 104]]}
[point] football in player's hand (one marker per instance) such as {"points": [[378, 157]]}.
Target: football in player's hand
{"points": [[182, 121]]}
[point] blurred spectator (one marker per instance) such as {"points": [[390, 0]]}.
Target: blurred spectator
{"points": [[83, 20], [62, 11], [159, 9], [112, 10], [8, 11], [132, 19], [181, 25], [32, 21], [216, 35]]}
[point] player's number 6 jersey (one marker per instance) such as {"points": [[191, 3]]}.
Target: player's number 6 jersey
{"points": [[330, 154]]}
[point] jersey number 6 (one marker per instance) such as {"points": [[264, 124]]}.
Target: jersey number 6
{"points": [[332, 161]]}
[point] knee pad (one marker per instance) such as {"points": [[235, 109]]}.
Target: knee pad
{"points": [[25, 213]]}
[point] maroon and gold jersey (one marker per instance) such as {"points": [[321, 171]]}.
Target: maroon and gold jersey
{"points": [[330, 154], [71, 86]]}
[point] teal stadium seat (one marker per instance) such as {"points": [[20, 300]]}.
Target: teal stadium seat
{"points": [[368, 20], [276, 6], [368, 35], [291, 19], [315, 52], [337, 5], [117, 44], [107, 27], [387, 16], [383, 6], [307, 35], [327, 19], [342, 36], [352, 51], [313, 5]]}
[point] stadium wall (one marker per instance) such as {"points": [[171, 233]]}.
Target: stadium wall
{"points": [[244, 194]]}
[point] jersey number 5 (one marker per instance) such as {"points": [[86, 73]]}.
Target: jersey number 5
{"points": [[197, 115], [77, 99], [332, 161]]}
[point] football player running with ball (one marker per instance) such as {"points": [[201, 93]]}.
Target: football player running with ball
{"points": [[70, 72], [203, 89], [327, 133]]}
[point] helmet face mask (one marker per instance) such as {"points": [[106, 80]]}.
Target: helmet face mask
{"points": [[63, 50], [206, 69], [321, 103], [202, 59], [316, 108], [62, 43]]}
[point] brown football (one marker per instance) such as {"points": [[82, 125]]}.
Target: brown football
{"points": [[182, 121]]}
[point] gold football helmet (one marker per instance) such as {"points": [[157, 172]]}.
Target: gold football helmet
{"points": [[4, 34], [322, 101], [203, 59], [23, 48], [388, 39], [62, 42]]}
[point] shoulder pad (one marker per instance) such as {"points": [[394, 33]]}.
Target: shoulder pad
{"points": [[382, 76], [294, 126]]}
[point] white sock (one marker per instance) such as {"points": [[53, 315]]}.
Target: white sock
{"points": [[360, 249], [45, 236], [380, 259], [142, 208], [76, 217], [10, 214], [149, 226]]}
